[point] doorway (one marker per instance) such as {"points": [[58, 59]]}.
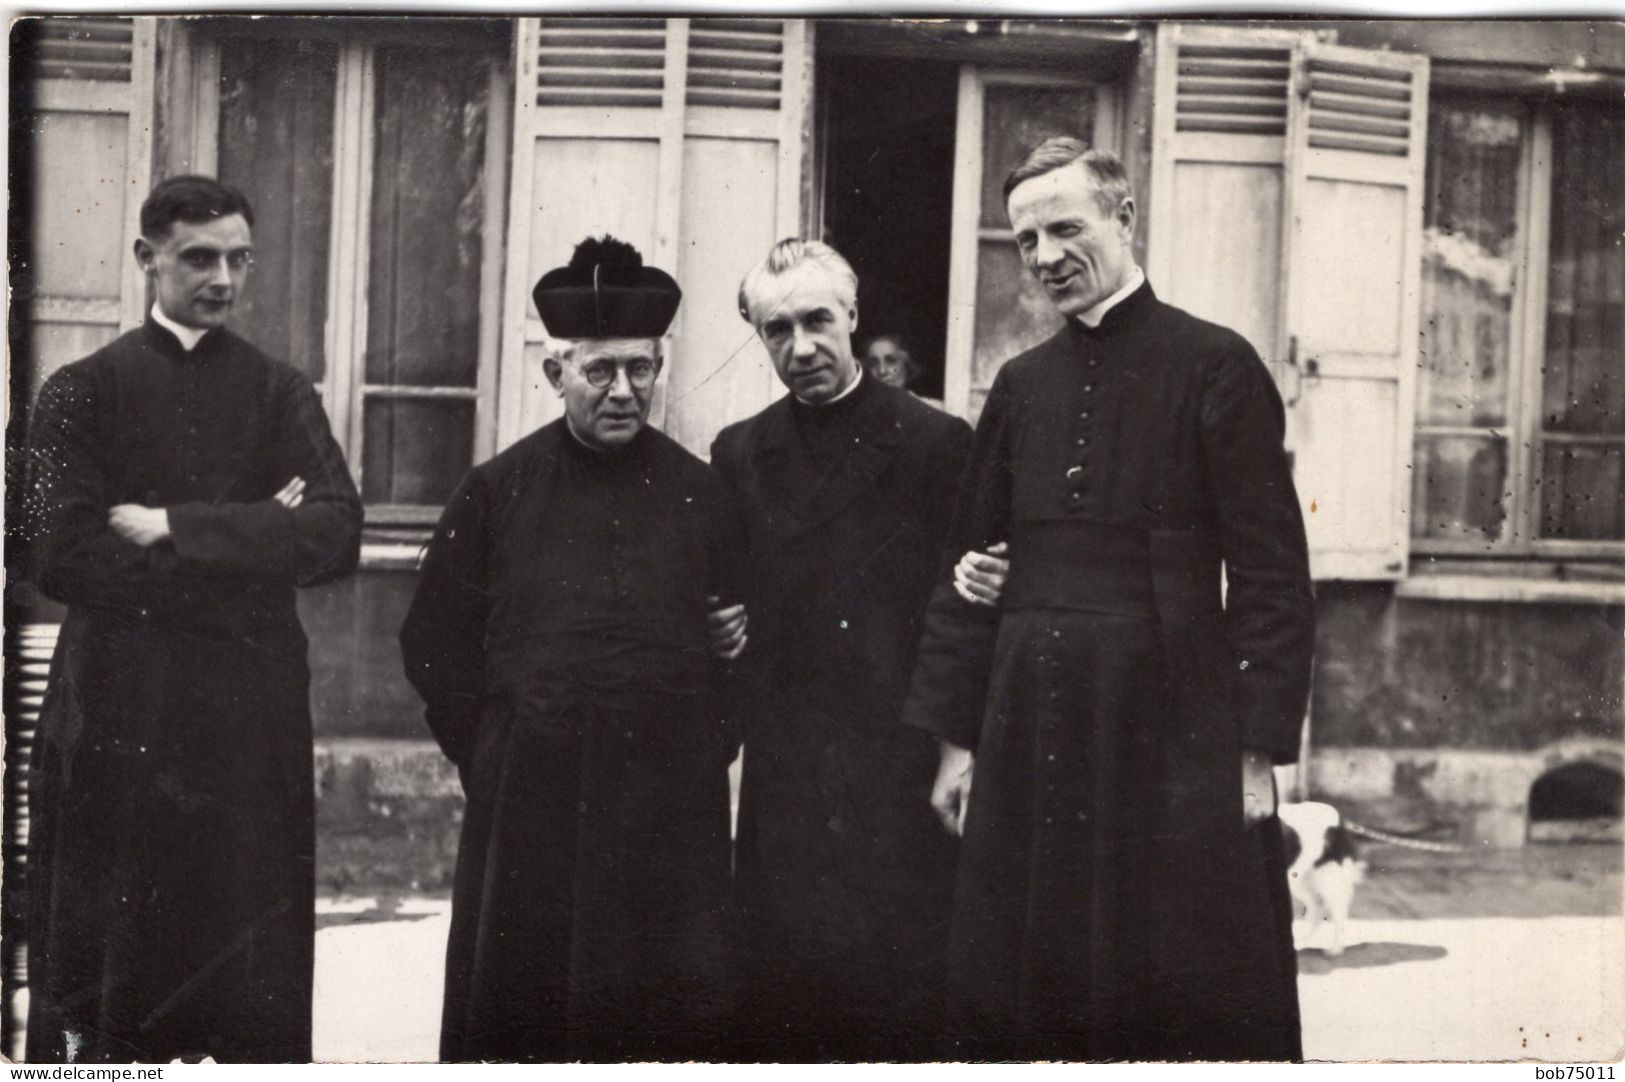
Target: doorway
{"points": [[888, 195]]}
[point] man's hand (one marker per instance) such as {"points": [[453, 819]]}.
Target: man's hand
{"points": [[1257, 787], [292, 494], [145, 526], [950, 793], [979, 576], [727, 626]]}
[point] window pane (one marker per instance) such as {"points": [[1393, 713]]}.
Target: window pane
{"points": [[1584, 382], [415, 450], [1469, 252], [1017, 118], [1012, 312], [1460, 488], [1580, 497], [276, 144], [428, 207]]}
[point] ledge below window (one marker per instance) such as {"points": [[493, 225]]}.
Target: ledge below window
{"points": [[1464, 586]]}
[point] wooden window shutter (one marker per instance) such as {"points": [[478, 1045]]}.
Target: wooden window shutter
{"points": [[1356, 151], [736, 63], [601, 61], [1218, 178], [89, 101], [682, 137], [1286, 203]]}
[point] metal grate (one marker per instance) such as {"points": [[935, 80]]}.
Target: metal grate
{"points": [[601, 61], [55, 47], [1359, 107], [1232, 88], [736, 62]]}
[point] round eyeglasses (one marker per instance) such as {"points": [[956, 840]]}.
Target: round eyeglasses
{"points": [[640, 373]]}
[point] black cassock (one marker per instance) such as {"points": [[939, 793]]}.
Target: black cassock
{"points": [[558, 638], [1109, 902], [843, 874], [172, 878]]}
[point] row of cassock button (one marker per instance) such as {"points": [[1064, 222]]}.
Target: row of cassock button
{"points": [[618, 559], [186, 408], [1076, 480]]}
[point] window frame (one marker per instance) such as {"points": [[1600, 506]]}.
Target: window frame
{"points": [[344, 390], [967, 234], [1525, 434]]}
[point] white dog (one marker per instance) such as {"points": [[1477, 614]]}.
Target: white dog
{"points": [[1321, 868]]}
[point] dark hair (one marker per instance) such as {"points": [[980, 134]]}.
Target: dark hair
{"points": [[1060, 151], [903, 344], [896, 338], [190, 198]]}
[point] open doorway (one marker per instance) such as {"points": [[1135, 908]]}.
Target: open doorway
{"points": [[888, 195]]}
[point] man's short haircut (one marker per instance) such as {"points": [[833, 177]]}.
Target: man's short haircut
{"points": [[1060, 151], [192, 199], [789, 254]]}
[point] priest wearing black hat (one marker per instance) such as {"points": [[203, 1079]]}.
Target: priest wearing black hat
{"points": [[560, 639]]}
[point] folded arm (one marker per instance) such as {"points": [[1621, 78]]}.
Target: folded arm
{"points": [[80, 557], [311, 540]]}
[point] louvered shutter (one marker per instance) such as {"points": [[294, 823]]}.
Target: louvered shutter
{"points": [[1218, 183], [681, 136], [1286, 203], [1356, 153], [736, 63], [88, 101]]}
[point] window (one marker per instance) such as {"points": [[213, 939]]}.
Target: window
{"points": [[1520, 427], [376, 165]]}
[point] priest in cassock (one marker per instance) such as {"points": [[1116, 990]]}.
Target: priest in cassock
{"points": [[1108, 730], [842, 877], [182, 485], [561, 642]]}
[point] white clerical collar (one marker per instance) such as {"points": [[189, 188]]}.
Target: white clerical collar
{"points": [[189, 336], [850, 387], [1097, 312]]}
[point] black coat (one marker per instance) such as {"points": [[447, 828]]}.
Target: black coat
{"points": [[558, 638], [842, 871], [1109, 903], [172, 879]]}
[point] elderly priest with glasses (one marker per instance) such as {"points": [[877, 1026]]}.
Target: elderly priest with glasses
{"points": [[562, 639]]}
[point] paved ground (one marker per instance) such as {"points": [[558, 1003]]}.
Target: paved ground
{"points": [[1489, 956]]}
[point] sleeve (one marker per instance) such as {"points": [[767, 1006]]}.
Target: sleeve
{"points": [[742, 682], [1269, 602], [954, 661], [730, 581], [77, 557], [315, 542], [443, 637]]}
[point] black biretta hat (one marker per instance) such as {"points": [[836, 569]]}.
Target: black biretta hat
{"points": [[606, 292]]}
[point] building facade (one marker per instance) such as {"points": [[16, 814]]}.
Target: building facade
{"points": [[1418, 226]]}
